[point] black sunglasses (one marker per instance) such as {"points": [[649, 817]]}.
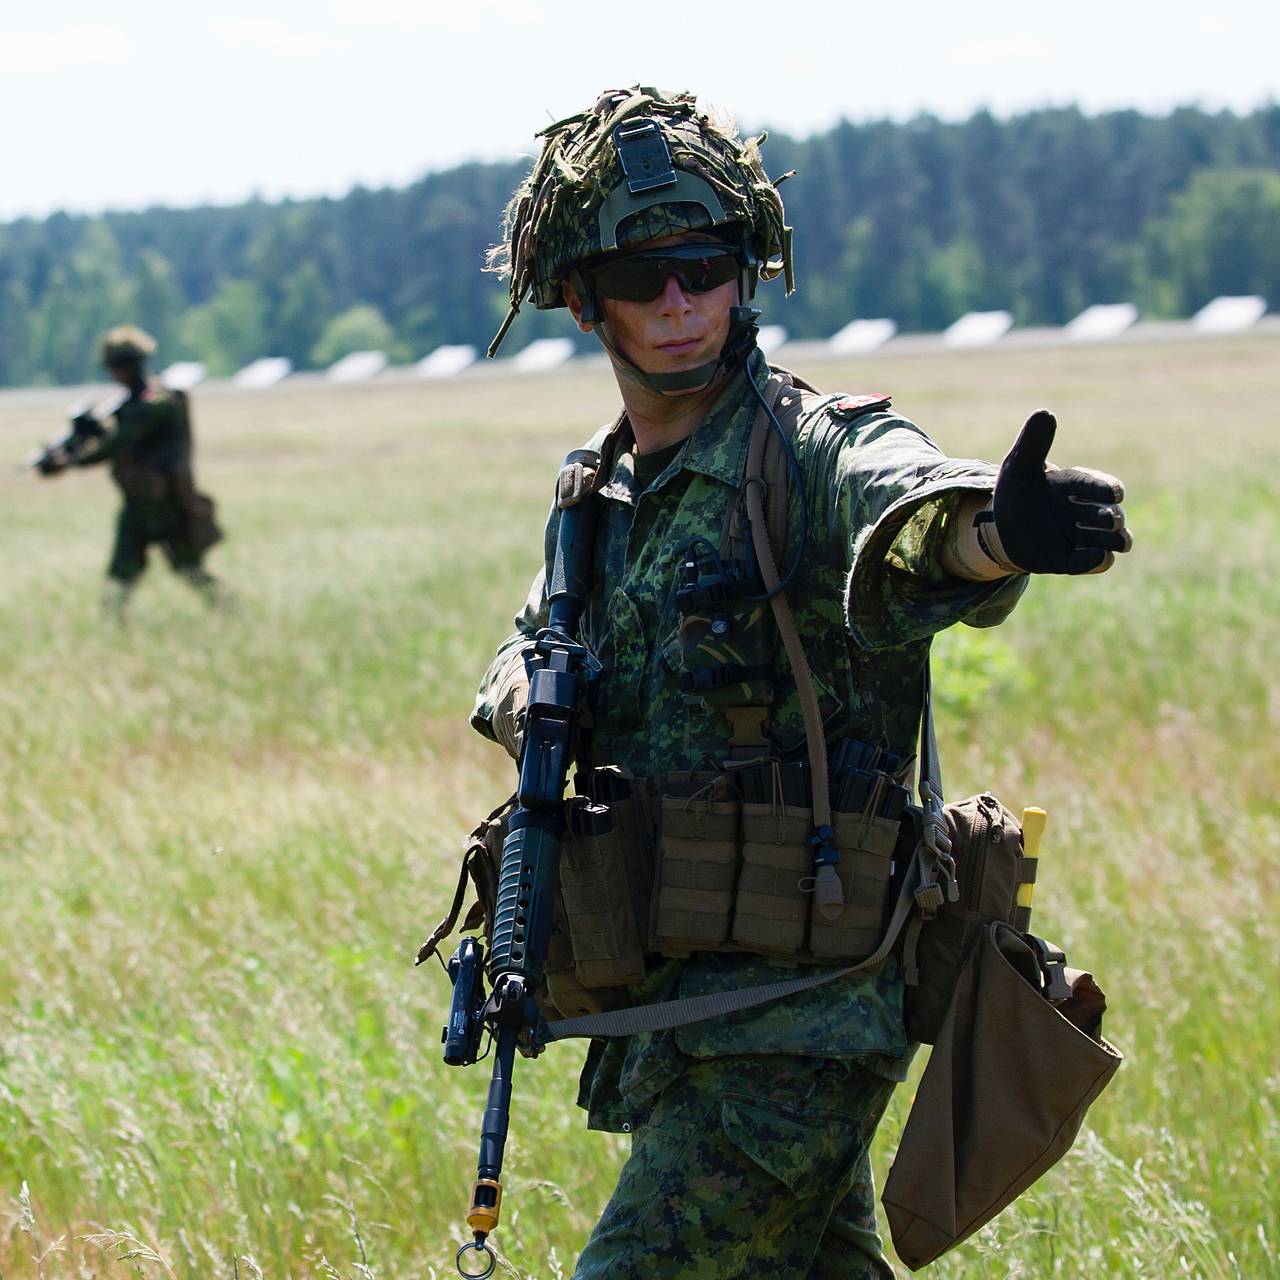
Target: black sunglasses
{"points": [[641, 277]]}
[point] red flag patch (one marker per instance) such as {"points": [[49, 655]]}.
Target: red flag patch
{"points": [[860, 404]]}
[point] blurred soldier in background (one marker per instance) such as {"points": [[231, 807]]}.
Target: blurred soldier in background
{"points": [[652, 221], [149, 448]]}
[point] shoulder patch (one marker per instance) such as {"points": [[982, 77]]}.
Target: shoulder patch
{"points": [[851, 406]]}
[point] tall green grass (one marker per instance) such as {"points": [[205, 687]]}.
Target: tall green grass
{"points": [[222, 837]]}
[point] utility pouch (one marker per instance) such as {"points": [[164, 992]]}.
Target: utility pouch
{"points": [[771, 905], [697, 864], [725, 650], [866, 842], [202, 519], [1013, 1071], [986, 848], [606, 870]]}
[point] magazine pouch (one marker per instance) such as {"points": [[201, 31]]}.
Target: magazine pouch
{"points": [[697, 864], [866, 842], [771, 905], [605, 874]]}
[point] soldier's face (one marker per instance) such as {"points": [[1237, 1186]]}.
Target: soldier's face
{"points": [[677, 330]]}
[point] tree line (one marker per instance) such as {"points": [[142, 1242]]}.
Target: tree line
{"points": [[1041, 214]]}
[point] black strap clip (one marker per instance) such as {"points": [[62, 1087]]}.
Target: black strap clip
{"points": [[1053, 968]]}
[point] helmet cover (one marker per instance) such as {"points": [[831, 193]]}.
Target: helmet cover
{"points": [[579, 201], [125, 344]]}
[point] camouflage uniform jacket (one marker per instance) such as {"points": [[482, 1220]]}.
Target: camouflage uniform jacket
{"points": [[151, 441], [867, 596]]}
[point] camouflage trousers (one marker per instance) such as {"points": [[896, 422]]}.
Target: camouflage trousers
{"points": [[749, 1166], [141, 525]]}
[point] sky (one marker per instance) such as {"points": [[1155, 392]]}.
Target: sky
{"points": [[125, 105]]}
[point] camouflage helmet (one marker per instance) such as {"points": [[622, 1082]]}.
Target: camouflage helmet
{"points": [[639, 164], [125, 344]]}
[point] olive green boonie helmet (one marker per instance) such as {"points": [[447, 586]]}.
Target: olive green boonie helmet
{"points": [[125, 344], [638, 165]]}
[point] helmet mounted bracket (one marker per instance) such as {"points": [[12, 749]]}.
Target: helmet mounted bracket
{"points": [[644, 155]]}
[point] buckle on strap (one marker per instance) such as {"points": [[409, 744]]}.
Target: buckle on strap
{"points": [[1053, 967], [574, 483], [929, 898], [711, 678]]}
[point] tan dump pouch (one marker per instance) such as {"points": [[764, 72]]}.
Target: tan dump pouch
{"points": [[604, 877], [775, 883], [866, 845], [1001, 1100], [697, 866]]}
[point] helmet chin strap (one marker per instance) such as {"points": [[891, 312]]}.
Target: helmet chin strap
{"points": [[738, 345]]}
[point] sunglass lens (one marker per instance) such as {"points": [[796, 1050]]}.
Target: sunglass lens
{"points": [[641, 278]]}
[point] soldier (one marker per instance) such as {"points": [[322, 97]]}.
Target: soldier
{"points": [[150, 454], [652, 221]]}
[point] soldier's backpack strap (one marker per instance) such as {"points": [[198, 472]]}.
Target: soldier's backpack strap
{"points": [[935, 868], [480, 865], [782, 390], [828, 895]]}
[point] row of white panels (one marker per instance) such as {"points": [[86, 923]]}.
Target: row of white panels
{"points": [[1098, 323]]}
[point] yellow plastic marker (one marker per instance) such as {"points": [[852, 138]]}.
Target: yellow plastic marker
{"points": [[1033, 821]]}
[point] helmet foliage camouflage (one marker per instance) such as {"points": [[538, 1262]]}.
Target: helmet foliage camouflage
{"points": [[125, 344], [578, 201]]}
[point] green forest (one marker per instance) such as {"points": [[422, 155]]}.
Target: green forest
{"points": [[1041, 214]]}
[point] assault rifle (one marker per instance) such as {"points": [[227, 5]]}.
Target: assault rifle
{"points": [[84, 429], [86, 420], [559, 670]]}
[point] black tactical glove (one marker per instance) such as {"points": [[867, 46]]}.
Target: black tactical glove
{"points": [[1052, 520]]}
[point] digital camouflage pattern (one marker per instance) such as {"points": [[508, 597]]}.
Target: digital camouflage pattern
{"points": [[779, 1147], [867, 597], [552, 222]]}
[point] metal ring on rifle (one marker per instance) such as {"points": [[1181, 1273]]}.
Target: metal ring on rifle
{"points": [[479, 1248]]}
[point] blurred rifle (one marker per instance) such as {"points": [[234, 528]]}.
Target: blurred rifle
{"points": [[51, 459], [85, 427]]}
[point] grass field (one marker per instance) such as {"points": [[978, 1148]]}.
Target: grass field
{"points": [[222, 838]]}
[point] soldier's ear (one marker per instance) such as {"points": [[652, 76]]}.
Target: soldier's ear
{"points": [[574, 303]]}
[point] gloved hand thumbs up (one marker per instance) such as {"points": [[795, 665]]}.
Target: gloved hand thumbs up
{"points": [[1056, 521], [1031, 449]]}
